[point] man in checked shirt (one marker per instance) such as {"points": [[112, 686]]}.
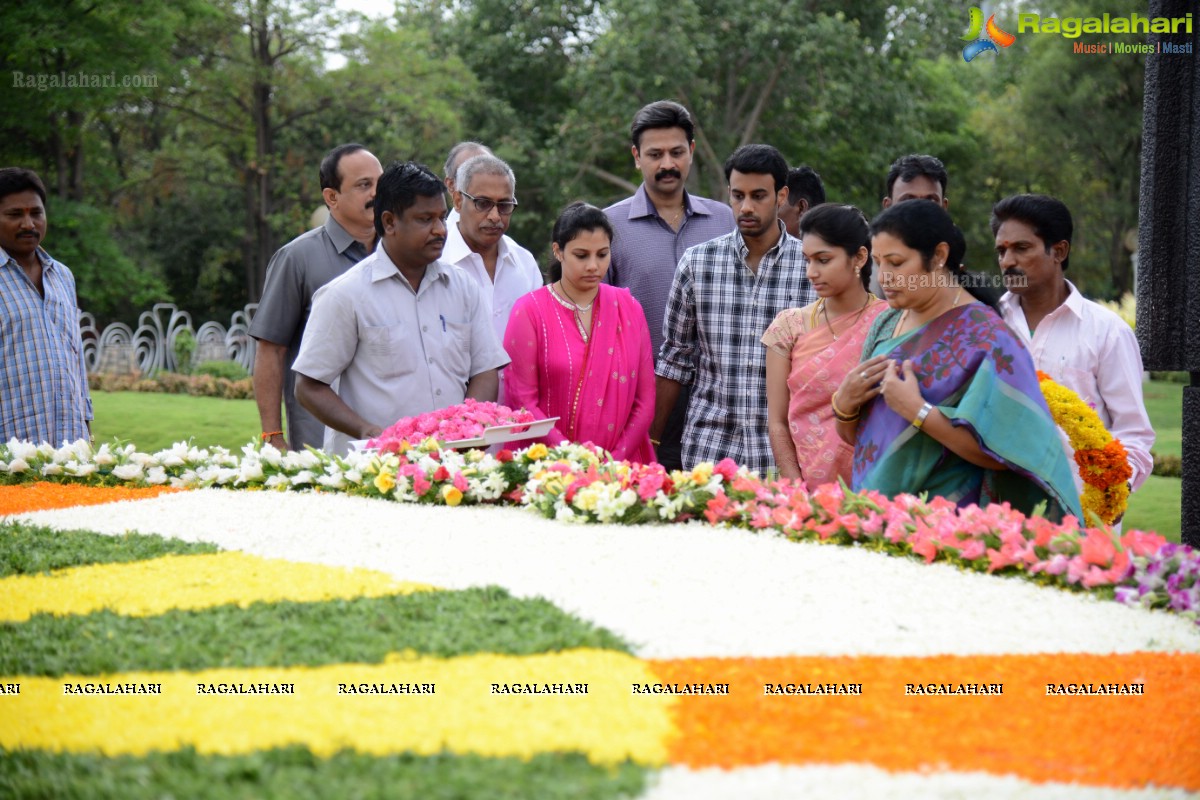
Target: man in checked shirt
{"points": [[726, 292], [43, 383]]}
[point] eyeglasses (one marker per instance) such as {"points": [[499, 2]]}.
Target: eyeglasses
{"points": [[483, 205]]}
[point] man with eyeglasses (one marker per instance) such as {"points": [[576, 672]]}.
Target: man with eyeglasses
{"points": [[485, 198]]}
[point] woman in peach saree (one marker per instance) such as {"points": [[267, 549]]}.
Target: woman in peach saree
{"points": [[810, 349]]}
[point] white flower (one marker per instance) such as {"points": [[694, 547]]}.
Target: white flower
{"points": [[45, 450], [276, 481], [565, 514], [128, 472], [52, 469], [104, 457], [354, 476], [270, 455], [156, 476], [80, 470], [303, 478], [17, 465], [251, 471], [334, 481], [22, 450]]}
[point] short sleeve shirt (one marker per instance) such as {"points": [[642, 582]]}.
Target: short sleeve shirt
{"points": [[517, 274], [397, 352], [296, 272], [43, 382]]}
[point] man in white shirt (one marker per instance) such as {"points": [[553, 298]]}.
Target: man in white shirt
{"points": [[1078, 343], [400, 333], [485, 198]]}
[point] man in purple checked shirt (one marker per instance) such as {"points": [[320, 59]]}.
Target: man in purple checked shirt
{"points": [[656, 225]]}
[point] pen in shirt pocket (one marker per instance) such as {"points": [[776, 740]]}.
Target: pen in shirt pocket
{"points": [[442, 317]]}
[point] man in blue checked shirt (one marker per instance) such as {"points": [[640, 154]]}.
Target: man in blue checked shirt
{"points": [[726, 292], [43, 383]]}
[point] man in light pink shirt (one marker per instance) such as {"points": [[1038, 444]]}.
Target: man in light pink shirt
{"points": [[1078, 343]]}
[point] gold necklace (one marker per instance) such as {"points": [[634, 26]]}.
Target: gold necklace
{"points": [[825, 313], [577, 311]]}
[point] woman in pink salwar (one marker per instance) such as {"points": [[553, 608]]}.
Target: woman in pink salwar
{"points": [[810, 349], [580, 348]]}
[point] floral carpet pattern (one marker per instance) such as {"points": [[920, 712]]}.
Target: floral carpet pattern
{"points": [[755, 665]]}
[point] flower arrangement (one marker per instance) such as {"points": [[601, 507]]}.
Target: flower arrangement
{"points": [[1102, 460], [580, 484], [467, 420]]}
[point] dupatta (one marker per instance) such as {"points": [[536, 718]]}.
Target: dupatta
{"points": [[980, 376]]}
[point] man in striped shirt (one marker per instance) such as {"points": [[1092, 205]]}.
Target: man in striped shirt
{"points": [[726, 292], [43, 382]]}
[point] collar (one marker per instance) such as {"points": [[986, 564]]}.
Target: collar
{"points": [[43, 256], [342, 241], [383, 268], [1073, 303], [457, 249], [641, 207], [779, 243]]}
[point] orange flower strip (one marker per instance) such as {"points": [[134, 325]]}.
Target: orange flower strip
{"points": [[1121, 741], [42, 496]]}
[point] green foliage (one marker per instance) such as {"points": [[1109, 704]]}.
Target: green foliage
{"points": [[183, 346], [30, 549], [1168, 466], [359, 631], [110, 285], [295, 772], [230, 370]]}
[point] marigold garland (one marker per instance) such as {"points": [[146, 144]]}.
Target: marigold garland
{"points": [[1102, 460]]}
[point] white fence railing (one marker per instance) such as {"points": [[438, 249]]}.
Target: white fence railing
{"points": [[150, 347]]}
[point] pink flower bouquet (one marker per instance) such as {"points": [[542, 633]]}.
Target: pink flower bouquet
{"points": [[451, 424]]}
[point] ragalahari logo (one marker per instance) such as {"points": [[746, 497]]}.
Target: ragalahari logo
{"points": [[979, 44]]}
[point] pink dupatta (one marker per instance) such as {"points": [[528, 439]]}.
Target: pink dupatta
{"points": [[818, 365], [603, 391]]}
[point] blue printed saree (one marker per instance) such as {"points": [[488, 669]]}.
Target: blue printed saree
{"points": [[980, 376]]}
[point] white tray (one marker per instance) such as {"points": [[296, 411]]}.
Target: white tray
{"points": [[500, 434]]}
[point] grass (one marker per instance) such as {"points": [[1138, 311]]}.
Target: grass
{"points": [[1164, 404], [28, 549], [295, 772], [154, 421]]}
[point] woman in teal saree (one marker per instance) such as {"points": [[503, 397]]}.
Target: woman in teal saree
{"points": [[947, 400]]}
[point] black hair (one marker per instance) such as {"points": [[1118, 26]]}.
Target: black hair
{"points": [[331, 171], [758, 159], [805, 184], [905, 168], [575, 218], [923, 226], [842, 226], [1048, 216], [399, 187], [661, 114], [19, 179]]}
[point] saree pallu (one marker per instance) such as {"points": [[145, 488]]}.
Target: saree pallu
{"points": [[819, 362], [980, 376], [602, 390]]}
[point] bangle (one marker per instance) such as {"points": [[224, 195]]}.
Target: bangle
{"points": [[656, 442], [921, 415], [265, 435], [839, 414]]}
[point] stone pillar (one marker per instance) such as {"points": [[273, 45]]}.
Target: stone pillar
{"points": [[1168, 277]]}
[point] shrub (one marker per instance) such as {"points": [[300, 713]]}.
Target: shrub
{"points": [[1168, 466], [174, 383], [184, 347], [230, 370]]}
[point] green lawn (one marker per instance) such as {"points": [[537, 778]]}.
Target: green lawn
{"points": [[156, 421]]}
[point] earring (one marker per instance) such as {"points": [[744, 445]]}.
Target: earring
{"points": [[858, 272]]}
